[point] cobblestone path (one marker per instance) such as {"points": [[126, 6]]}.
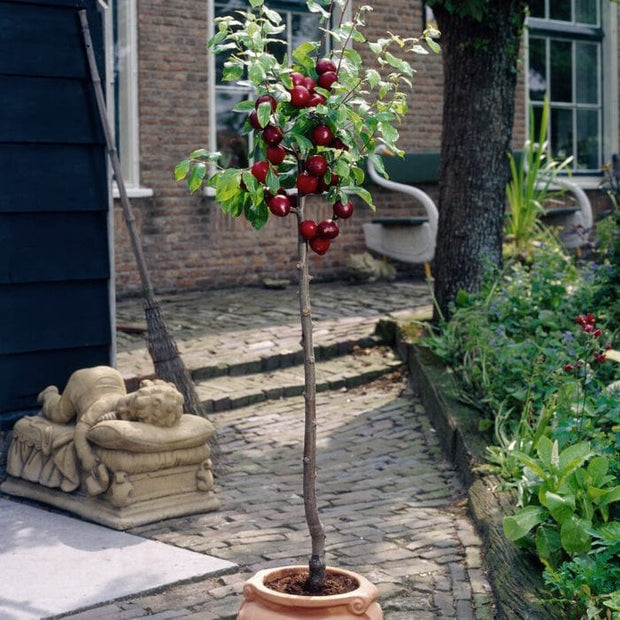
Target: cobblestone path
{"points": [[394, 510]]}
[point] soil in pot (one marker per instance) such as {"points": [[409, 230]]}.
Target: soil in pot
{"points": [[295, 583]]}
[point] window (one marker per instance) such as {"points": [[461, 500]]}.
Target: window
{"points": [[569, 53], [226, 126], [122, 70]]}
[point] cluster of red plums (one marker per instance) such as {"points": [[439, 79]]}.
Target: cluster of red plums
{"points": [[313, 176]]}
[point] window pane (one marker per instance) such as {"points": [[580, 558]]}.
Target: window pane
{"points": [[561, 74], [560, 10], [586, 12], [304, 27], [233, 145], [587, 140], [586, 59], [537, 8], [279, 48], [561, 133], [537, 79]]}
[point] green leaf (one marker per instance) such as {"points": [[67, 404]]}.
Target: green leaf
{"points": [[377, 162], [181, 170], [232, 72], [273, 16], [462, 299], [272, 181], [256, 73], [246, 105], [303, 51], [609, 496], [256, 214], [610, 531], [574, 535], [519, 524], [375, 48], [353, 57], [435, 47], [228, 185], [560, 507], [526, 460], [264, 113], [196, 175], [597, 469], [573, 456], [548, 544], [363, 193], [202, 153], [547, 451], [373, 77]]}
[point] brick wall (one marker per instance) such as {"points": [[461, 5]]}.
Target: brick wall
{"points": [[188, 242]]}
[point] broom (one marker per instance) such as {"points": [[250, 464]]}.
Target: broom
{"points": [[160, 343]]}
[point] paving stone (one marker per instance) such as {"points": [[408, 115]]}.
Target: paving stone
{"points": [[444, 602]]}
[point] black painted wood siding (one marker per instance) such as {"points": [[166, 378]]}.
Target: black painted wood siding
{"points": [[54, 246]]}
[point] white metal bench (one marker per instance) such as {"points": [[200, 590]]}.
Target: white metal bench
{"points": [[412, 239], [406, 239], [573, 223]]}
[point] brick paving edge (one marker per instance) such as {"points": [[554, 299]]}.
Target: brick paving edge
{"points": [[514, 574]]}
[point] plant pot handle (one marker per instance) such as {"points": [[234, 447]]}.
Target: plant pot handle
{"points": [[249, 592], [358, 605]]}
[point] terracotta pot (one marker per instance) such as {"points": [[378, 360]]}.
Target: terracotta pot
{"points": [[262, 603]]}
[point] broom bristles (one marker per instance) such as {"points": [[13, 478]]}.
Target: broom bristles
{"points": [[169, 366]]}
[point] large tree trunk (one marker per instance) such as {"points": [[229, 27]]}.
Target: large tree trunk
{"points": [[480, 75]]}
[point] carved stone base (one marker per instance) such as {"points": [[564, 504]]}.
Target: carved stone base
{"points": [[147, 473], [142, 511]]}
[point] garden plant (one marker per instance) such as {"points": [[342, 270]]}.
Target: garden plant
{"points": [[534, 353], [317, 114], [530, 190]]}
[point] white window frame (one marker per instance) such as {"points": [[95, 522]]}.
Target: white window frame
{"points": [[127, 112], [609, 90]]}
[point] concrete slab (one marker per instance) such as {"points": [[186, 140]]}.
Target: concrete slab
{"points": [[52, 564]]}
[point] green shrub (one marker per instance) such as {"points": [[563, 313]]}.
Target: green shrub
{"points": [[531, 353]]}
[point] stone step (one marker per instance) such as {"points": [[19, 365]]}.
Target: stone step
{"points": [[253, 351], [362, 365]]}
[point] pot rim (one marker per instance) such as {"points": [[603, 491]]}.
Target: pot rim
{"points": [[365, 590]]}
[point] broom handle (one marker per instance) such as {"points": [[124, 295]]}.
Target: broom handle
{"points": [[116, 165]]}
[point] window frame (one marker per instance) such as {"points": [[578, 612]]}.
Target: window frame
{"points": [[122, 94], [608, 78]]}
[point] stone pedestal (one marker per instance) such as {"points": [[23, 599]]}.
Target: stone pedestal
{"points": [[154, 473]]}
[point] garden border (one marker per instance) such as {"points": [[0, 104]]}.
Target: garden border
{"points": [[514, 573]]}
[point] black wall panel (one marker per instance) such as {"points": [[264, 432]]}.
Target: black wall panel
{"points": [[54, 201], [52, 177]]}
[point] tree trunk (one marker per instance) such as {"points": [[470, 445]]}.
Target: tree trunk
{"points": [[480, 75], [316, 563]]}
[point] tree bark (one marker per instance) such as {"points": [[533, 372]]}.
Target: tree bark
{"points": [[480, 76]]}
